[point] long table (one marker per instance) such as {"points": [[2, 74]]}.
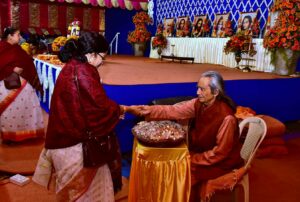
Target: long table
{"points": [[210, 50]]}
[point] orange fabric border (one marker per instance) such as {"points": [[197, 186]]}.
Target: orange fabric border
{"points": [[23, 135], [78, 185], [11, 97]]}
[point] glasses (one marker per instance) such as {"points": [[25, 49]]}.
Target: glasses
{"points": [[102, 57]]}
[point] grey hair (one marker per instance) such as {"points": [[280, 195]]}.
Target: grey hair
{"points": [[217, 85]]}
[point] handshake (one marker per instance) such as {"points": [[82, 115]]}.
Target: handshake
{"points": [[138, 110]]}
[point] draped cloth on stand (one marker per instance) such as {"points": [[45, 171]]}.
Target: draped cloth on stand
{"points": [[159, 174]]}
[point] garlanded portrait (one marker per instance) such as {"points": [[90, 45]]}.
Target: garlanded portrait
{"points": [[219, 25], [183, 26], [169, 24], [248, 23], [199, 26]]}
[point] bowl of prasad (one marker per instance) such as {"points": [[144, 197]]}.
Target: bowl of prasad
{"points": [[159, 133]]}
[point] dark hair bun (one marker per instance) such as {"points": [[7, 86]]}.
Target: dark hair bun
{"points": [[69, 51]]}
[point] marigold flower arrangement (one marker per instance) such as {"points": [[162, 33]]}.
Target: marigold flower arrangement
{"points": [[228, 28], [255, 28], [239, 44], [286, 31], [285, 34], [206, 27], [140, 34], [159, 41]]}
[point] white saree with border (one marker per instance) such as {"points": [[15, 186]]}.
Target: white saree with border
{"points": [[73, 182]]}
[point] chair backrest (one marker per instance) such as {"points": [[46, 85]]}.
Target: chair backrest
{"points": [[257, 130]]}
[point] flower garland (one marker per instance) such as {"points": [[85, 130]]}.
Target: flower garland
{"points": [[159, 41]]}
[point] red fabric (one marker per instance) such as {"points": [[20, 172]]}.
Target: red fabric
{"points": [[43, 15], [62, 19], [5, 14], [78, 14], [24, 16], [203, 137], [95, 19], [108, 3], [66, 125], [121, 4], [12, 56]]}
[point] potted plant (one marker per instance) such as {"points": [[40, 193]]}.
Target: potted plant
{"points": [[159, 41], [238, 44], [283, 39], [140, 35]]}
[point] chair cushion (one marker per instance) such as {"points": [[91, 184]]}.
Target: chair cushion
{"points": [[244, 112], [271, 151], [274, 127], [277, 140]]}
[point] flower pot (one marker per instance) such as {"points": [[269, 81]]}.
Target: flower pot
{"points": [[159, 51], [238, 58], [285, 61], [139, 49]]}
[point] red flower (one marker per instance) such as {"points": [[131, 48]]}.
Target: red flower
{"points": [[140, 34]]}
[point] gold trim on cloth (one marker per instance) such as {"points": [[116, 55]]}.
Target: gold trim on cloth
{"points": [[34, 14], [53, 16], [15, 14], [78, 185], [102, 20], [70, 15], [160, 174], [87, 19]]}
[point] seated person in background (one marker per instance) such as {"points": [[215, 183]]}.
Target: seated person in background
{"points": [[213, 136]]}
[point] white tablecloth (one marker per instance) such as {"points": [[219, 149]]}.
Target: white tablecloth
{"points": [[210, 50], [48, 74]]}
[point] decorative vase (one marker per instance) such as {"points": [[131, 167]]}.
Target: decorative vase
{"points": [[139, 49], [284, 61], [159, 51], [238, 58]]}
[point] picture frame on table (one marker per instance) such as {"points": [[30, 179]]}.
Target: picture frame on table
{"points": [[183, 26], [168, 29], [272, 17], [198, 25], [219, 25], [246, 21]]}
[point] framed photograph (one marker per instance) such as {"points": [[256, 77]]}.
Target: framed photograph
{"points": [[183, 26], [169, 24], [271, 20], [219, 25], [245, 22], [198, 25]]}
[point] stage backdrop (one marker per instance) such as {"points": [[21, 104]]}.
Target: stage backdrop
{"points": [[174, 8]]}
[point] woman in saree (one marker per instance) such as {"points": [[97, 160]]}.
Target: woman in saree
{"points": [[70, 111], [21, 116]]}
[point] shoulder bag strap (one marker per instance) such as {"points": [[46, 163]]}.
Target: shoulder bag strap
{"points": [[87, 128]]}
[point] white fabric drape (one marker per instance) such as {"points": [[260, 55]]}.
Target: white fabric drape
{"points": [[210, 50]]}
